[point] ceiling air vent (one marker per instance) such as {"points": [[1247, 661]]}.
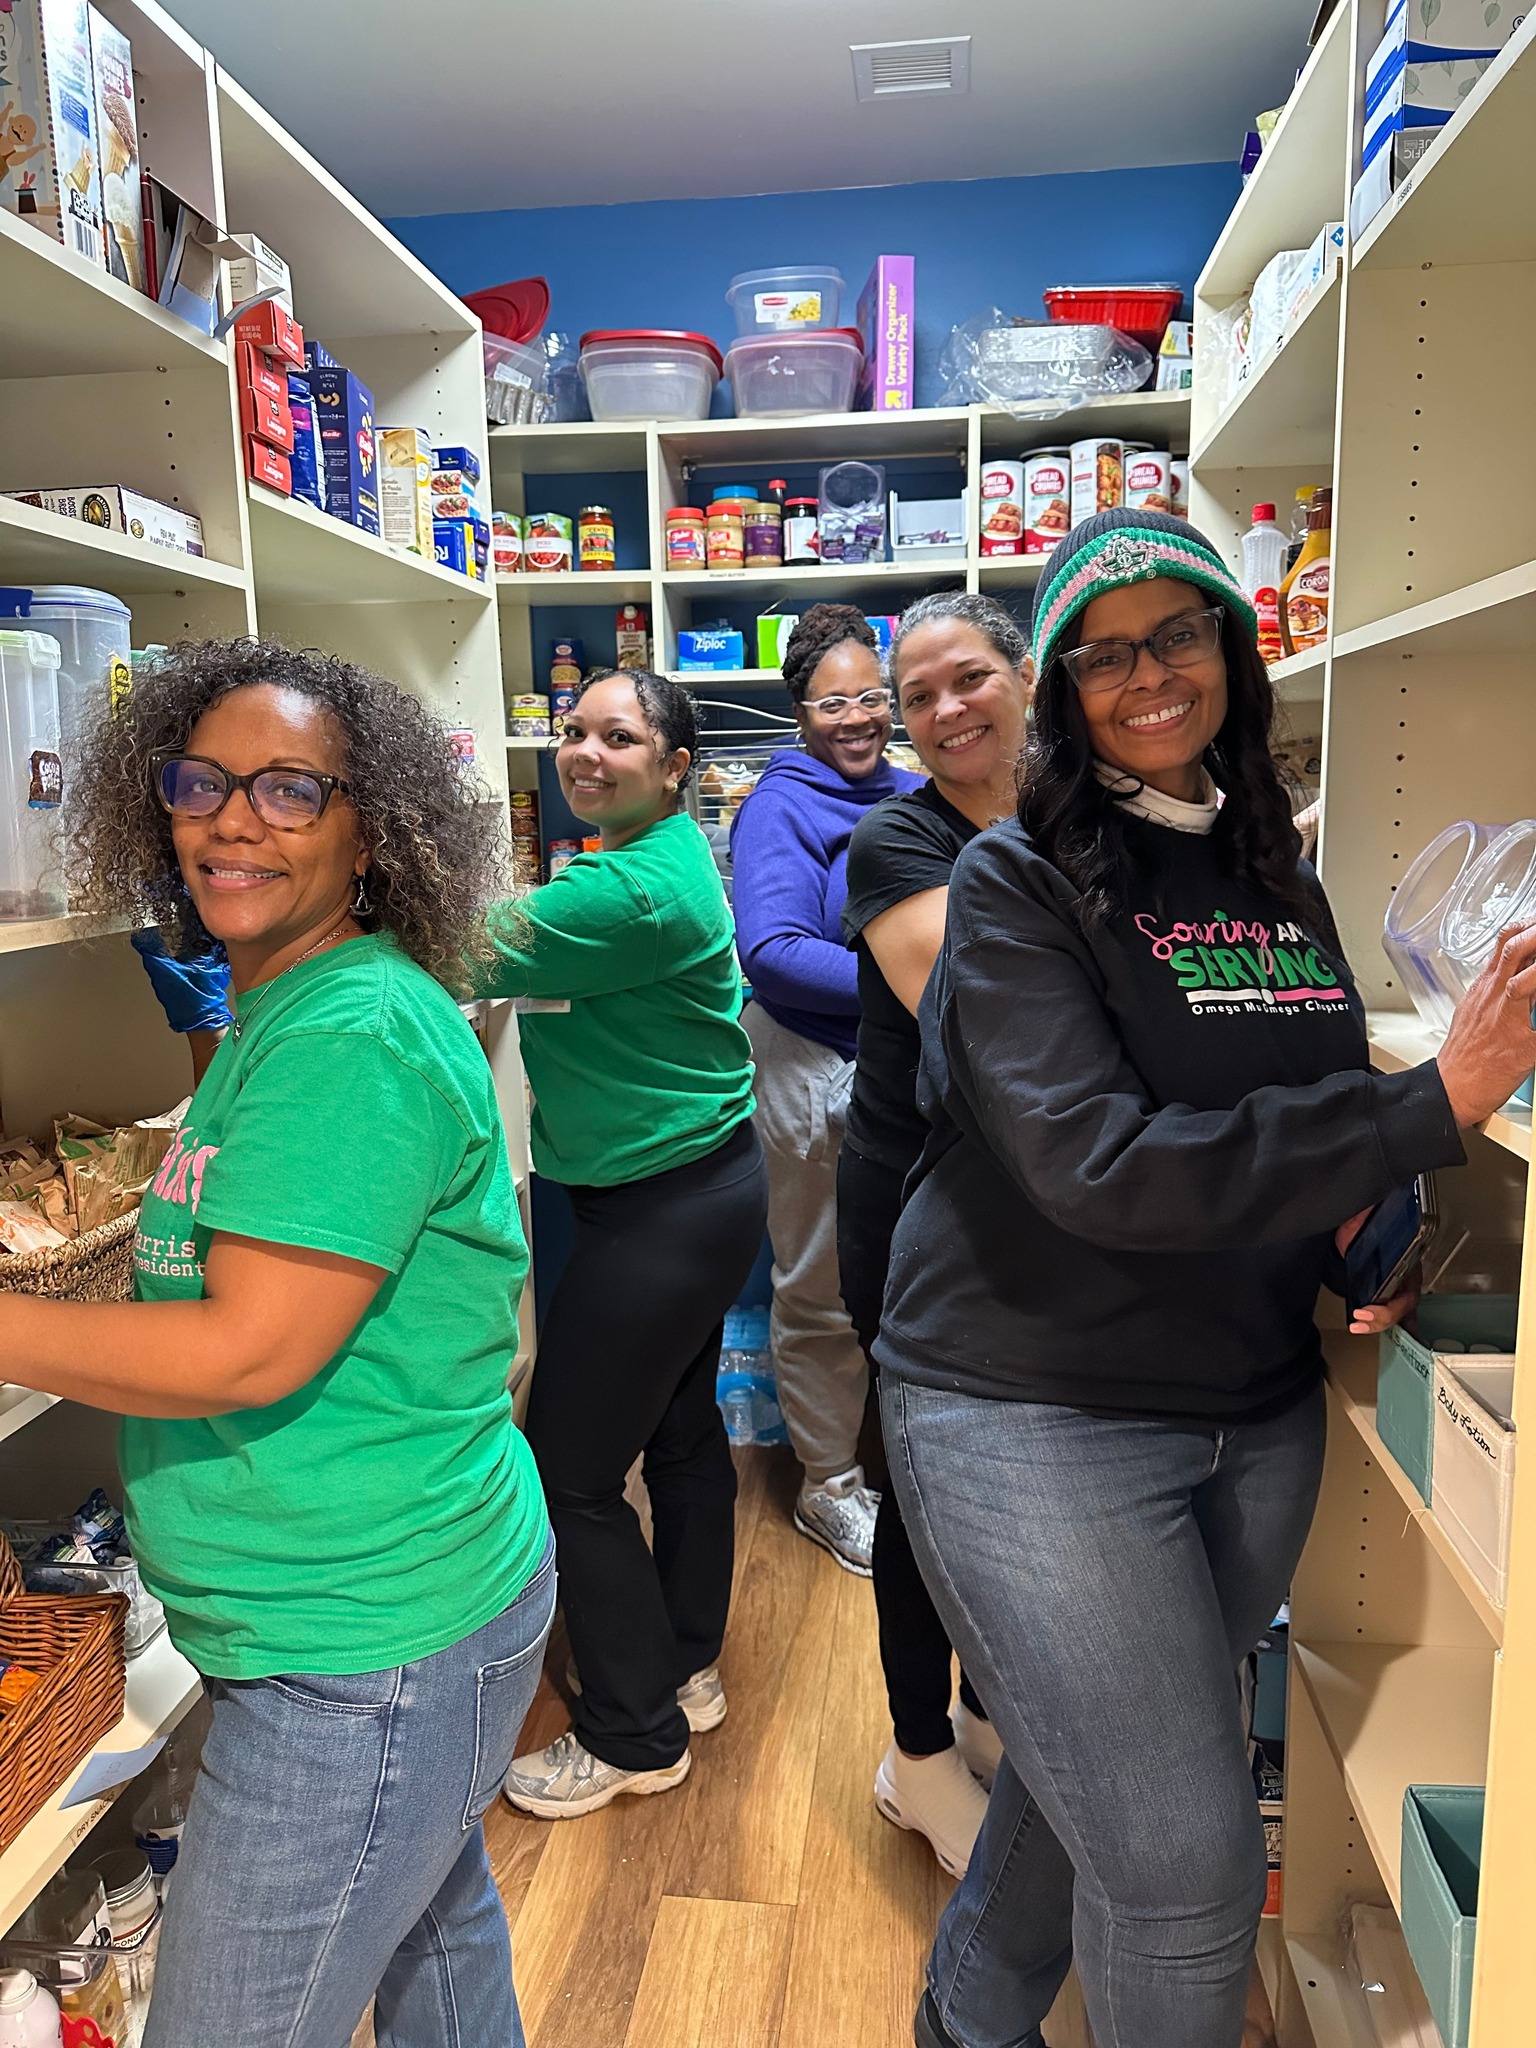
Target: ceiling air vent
{"points": [[885, 71]]}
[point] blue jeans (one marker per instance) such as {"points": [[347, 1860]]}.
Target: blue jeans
{"points": [[1102, 1580], [334, 1852]]}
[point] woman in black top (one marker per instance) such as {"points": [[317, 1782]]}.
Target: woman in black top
{"points": [[958, 664], [1154, 1120]]}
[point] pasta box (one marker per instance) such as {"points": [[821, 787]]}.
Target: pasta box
{"points": [[344, 406]]}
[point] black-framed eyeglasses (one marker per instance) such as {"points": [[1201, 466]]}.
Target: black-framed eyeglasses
{"points": [[834, 708], [189, 786], [1178, 643]]}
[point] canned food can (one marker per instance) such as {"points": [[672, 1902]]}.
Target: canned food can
{"points": [[1148, 480], [594, 537], [1098, 478], [1178, 485], [547, 543], [1047, 499], [1002, 508]]}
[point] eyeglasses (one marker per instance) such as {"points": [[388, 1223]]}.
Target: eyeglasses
{"points": [[1177, 643], [833, 708], [287, 798]]}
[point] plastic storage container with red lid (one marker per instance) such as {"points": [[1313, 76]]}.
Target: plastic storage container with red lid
{"points": [[817, 371], [649, 373], [1140, 310]]}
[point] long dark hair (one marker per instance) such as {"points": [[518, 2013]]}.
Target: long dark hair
{"points": [[1080, 828]]}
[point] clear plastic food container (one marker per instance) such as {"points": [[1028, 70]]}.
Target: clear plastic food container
{"points": [[94, 632], [1497, 891], [649, 373], [1411, 937], [31, 779], [795, 373], [788, 300], [516, 380]]}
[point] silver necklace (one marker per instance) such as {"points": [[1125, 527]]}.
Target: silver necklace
{"points": [[335, 931]]}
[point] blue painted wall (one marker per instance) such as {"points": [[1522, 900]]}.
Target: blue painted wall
{"points": [[999, 241]]}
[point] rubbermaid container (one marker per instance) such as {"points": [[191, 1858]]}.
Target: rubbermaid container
{"points": [[92, 628], [1411, 936], [649, 373], [795, 373], [31, 778], [788, 300]]}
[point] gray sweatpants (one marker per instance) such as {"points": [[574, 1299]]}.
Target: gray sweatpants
{"points": [[802, 1098]]}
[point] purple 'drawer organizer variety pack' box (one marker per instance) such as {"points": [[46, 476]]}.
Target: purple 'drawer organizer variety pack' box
{"points": [[886, 317]]}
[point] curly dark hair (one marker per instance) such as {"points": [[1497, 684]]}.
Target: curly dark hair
{"points": [[666, 707], [1079, 827], [823, 627], [435, 839]]}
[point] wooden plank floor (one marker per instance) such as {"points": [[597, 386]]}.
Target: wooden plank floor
{"points": [[765, 1904]]}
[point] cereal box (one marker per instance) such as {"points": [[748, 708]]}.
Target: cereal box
{"points": [[117, 130], [50, 168], [405, 499]]}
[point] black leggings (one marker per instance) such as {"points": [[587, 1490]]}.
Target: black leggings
{"points": [[915, 1650], [627, 1361]]}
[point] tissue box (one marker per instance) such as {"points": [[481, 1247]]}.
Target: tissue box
{"points": [[711, 649], [1384, 174], [1316, 267], [344, 407], [1420, 96], [51, 172], [1459, 27], [405, 497], [887, 320]]}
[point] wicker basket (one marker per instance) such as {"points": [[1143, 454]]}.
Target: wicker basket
{"points": [[95, 1267], [76, 1645]]}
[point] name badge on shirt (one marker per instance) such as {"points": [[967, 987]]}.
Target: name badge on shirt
{"points": [[540, 1005]]}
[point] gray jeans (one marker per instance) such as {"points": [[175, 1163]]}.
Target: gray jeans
{"points": [[802, 1098]]}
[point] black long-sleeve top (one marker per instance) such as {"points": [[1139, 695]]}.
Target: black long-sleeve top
{"points": [[1143, 1138]]}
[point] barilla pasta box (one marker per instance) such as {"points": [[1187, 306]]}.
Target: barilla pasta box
{"points": [[117, 130], [453, 545], [344, 407], [464, 459], [886, 317], [405, 497], [50, 163]]}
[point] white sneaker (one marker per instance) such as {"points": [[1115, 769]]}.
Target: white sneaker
{"points": [[839, 1514], [977, 1741], [934, 1796], [565, 1781], [702, 1699]]}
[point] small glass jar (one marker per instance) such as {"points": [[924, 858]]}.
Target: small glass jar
{"points": [[764, 535], [727, 534], [594, 537], [685, 538], [800, 530]]}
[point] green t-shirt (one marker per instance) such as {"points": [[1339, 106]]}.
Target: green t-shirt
{"points": [[647, 1067], [389, 1507]]}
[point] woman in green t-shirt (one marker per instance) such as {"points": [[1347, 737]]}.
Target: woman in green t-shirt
{"points": [[642, 1082], [324, 1484]]}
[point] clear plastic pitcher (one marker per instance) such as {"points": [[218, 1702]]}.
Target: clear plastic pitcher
{"points": [[1411, 938], [31, 779]]}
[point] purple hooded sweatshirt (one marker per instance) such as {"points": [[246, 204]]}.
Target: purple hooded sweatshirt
{"points": [[789, 857]]}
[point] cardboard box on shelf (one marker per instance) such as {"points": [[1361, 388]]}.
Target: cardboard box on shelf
{"points": [[1384, 174], [256, 372], [1175, 357], [345, 408], [1420, 96], [50, 162], [453, 545], [632, 637], [463, 460], [1454, 28], [405, 496], [267, 418], [269, 466], [118, 510], [273, 331], [709, 649], [887, 319], [117, 130], [258, 269]]}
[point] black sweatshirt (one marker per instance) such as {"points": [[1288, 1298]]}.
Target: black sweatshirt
{"points": [[1143, 1139]]}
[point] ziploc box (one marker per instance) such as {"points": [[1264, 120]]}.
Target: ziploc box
{"points": [[709, 648], [405, 497], [50, 164], [886, 319], [117, 130], [345, 409]]}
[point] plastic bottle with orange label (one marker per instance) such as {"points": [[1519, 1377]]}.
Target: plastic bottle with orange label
{"points": [[1304, 593]]}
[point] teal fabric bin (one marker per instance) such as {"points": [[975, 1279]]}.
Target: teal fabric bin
{"points": [[1442, 1860], [1405, 1374]]}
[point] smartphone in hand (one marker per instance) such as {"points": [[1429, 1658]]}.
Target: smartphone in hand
{"points": [[1390, 1243]]}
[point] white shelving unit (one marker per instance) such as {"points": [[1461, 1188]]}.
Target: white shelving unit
{"points": [[1403, 385], [100, 385]]}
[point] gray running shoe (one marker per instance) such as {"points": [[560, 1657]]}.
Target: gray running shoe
{"points": [[839, 1514], [702, 1699], [565, 1781]]}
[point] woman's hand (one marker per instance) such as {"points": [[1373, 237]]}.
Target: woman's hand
{"points": [[1491, 1045], [1377, 1316]]}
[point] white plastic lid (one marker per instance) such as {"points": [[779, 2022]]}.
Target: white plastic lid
{"points": [[18, 1988], [41, 649], [75, 597], [1497, 891], [785, 275]]}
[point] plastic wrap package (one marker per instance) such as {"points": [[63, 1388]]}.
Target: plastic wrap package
{"points": [[1037, 368], [1223, 348]]}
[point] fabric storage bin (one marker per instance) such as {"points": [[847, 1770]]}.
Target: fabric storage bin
{"points": [[1441, 1863], [1405, 1376], [1473, 1486]]}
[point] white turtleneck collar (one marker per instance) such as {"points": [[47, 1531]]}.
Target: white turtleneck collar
{"points": [[1142, 801]]}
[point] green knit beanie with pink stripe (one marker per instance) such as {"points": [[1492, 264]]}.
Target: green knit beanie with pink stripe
{"points": [[1115, 548]]}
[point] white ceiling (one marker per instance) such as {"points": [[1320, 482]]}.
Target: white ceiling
{"points": [[433, 106]]}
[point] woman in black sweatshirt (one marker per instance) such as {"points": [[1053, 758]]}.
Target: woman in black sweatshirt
{"points": [[1154, 1123]]}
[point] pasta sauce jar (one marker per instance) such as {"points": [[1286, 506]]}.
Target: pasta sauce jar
{"points": [[594, 537]]}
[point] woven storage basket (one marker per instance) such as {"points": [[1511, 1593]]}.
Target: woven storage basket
{"points": [[95, 1267], [76, 1645]]}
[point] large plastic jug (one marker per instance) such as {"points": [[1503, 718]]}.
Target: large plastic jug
{"points": [[92, 628], [31, 779]]}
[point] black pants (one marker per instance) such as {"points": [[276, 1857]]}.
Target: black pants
{"points": [[915, 1651], [627, 1362]]}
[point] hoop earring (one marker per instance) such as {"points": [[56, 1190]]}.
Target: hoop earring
{"points": [[361, 904]]}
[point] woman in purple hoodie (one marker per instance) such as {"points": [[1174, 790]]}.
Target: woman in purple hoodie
{"points": [[789, 850]]}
